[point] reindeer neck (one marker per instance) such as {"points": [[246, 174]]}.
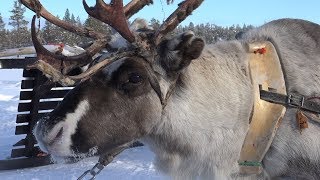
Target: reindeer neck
{"points": [[211, 104]]}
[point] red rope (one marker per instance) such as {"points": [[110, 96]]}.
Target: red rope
{"points": [[261, 51]]}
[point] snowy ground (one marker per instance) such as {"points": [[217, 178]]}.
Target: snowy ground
{"points": [[135, 163]]}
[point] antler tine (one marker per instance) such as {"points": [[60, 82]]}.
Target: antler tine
{"points": [[135, 6], [184, 10], [95, 68], [49, 63], [113, 15], [57, 76], [69, 62], [36, 6], [49, 57]]}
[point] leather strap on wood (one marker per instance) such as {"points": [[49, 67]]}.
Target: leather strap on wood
{"points": [[266, 72]]}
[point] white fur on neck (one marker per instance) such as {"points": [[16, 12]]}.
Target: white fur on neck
{"points": [[199, 134]]}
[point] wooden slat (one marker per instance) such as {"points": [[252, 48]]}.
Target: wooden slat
{"points": [[22, 107], [25, 141], [16, 63], [48, 105], [24, 129], [24, 163], [30, 73], [27, 95], [23, 152], [23, 118], [30, 84], [27, 84], [59, 85], [22, 142], [56, 94]]}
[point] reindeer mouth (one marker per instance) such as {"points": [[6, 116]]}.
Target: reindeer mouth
{"points": [[105, 157]]}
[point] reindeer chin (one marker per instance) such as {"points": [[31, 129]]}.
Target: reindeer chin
{"points": [[74, 157]]}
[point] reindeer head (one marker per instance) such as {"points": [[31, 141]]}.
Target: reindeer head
{"points": [[119, 99]]}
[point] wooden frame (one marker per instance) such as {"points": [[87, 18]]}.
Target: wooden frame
{"points": [[25, 152]]}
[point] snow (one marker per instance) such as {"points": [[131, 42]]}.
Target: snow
{"points": [[71, 51], [5, 97], [134, 163], [30, 51]]}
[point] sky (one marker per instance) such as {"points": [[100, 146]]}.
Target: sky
{"points": [[222, 13]]}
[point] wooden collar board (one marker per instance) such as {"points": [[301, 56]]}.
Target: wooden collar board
{"points": [[266, 73]]}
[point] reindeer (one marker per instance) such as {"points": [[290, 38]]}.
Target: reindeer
{"points": [[191, 103]]}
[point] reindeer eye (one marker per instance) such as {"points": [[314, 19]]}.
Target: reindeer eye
{"points": [[134, 78]]}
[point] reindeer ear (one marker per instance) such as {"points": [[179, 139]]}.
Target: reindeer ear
{"points": [[178, 52]]}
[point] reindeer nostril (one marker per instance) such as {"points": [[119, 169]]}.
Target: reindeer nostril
{"points": [[59, 133]]}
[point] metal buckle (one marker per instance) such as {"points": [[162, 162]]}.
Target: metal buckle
{"points": [[289, 99], [295, 101]]}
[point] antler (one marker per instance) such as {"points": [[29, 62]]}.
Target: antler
{"points": [[130, 9], [49, 63], [184, 10], [68, 63], [65, 64], [36, 6], [59, 61], [135, 6], [57, 76], [113, 15], [116, 15]]}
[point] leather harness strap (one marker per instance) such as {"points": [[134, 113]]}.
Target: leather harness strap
{"points": [[296, 101]]}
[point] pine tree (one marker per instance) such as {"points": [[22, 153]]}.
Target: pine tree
{"points": [[20, 35], [78, 21], [79, 24], [73, 19], [49, 33], [2, 24], [97, 25], [69, 37], [74, 38], [17, 18], [191, 26], [179, 29], [155, 24], [3, 34], [67, 17]]}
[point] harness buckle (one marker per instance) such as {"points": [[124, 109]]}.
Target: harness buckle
{"points": [[295, 101]]}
